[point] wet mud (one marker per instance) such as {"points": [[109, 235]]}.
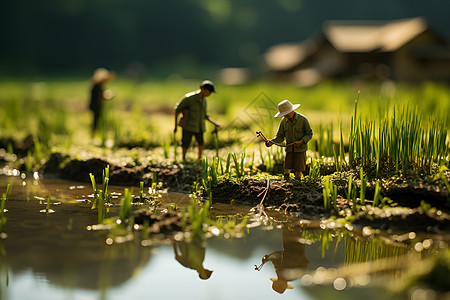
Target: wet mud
{"points": [[303, 197], [177, 177]]}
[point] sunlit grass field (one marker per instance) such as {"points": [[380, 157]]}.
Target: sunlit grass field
{"points": [[141, 113]]}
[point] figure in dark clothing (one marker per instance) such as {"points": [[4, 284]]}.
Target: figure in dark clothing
{"points": [[99, 94]]}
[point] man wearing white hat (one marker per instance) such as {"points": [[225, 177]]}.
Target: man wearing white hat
{"points": [[295, 128]]}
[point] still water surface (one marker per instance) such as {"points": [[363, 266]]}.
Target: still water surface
{"points": [[53, 255]]}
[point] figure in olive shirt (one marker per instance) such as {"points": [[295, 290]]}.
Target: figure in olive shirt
{"points": [[193, 108], [295, 128]]}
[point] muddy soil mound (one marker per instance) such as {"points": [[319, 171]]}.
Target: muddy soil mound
{"points": [[174, 176], [404, 219], [166, 223], [290, 196]]}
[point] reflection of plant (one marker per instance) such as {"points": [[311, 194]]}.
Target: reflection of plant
{"points": [[2, 206], [357, 249], [200, 223]]}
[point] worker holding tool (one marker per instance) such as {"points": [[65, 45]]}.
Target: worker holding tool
{"points": [[295, 128], [193, 108]]}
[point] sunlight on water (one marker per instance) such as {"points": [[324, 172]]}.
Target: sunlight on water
{"points": [[55, 256]]}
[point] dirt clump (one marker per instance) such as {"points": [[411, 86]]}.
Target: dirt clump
{"points": [[173, 176], [404, 219], [165, 223], [293, 196]]}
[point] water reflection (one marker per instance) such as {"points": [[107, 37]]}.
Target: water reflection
{"points": [[319, 261], [68, 258], [191, 255], [289, 263]]}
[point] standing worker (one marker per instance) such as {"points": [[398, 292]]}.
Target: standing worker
{"points": [[295, 128], [99, 94], [193, 108]]}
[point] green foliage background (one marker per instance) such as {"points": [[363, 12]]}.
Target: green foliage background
{"points": [[188, 37]]}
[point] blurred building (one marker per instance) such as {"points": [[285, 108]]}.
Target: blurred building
{"points": [[400, 50]]}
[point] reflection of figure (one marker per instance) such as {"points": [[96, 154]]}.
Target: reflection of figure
{"points": [[290, 263], [98, 94], [191, 255], [193, 108]]}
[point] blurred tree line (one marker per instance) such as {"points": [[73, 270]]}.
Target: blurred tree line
{"points": [[151, 38]]}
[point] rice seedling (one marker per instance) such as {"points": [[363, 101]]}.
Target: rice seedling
{"points": [[314, 170], [228, 165], [351, 193], [125, 205], [141, 191], [442, 171], [29, 162], [377, 196], [363, 186], [261, 156], [96, 191], [166, 149], [216, 142], [239, 163], [101, 196], [325, 140], [341, 146], [269, 162], [154, 183], [336, 160], [404, 139], [329, 195], [174, 146], [207, 188], [38, 153], [47, 206], [2, 206]]}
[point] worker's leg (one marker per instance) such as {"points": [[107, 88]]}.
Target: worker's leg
{"points": [[287, 172], [200, 149], [200, 142], [288, 164], [186, 141], [184, 153], [299, 164]]}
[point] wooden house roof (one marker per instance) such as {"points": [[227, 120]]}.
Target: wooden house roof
{"points": [[369, 36]]}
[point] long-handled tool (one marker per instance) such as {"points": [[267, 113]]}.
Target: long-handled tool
{"points": [[261, 135]]}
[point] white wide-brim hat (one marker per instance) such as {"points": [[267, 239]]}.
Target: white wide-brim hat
{"points": [[285, 107]]}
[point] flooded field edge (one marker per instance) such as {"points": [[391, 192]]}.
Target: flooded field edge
{"points": [[365, 251]]}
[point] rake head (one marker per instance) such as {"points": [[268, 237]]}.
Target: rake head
{"points": [[261, 135]]}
